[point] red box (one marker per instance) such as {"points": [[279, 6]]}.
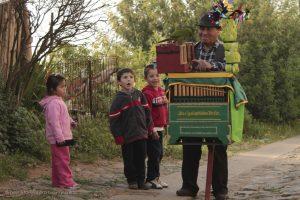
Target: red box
{"points": [[171, 58]]}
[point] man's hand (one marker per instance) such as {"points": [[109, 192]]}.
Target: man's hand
{"points": [[201, 65]]}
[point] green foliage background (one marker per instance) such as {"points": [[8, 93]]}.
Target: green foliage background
{"points": [[270, 61], [269, 47]]}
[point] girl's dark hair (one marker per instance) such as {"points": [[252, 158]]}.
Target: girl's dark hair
{"points": [[52, 82], [147, 69], [123, 71]]}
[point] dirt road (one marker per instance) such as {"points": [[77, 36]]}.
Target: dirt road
{"points": [[269, 172]]}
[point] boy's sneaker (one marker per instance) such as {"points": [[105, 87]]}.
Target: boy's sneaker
{"points": [[155, 184], [133, 186], [163, 184]]}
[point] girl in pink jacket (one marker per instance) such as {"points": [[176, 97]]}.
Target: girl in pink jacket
{"points": [[58, 131]]}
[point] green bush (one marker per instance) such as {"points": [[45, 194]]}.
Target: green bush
{"points": [[21, 130], [94, 137], [173, 151], [256, 129], [26, 134]]}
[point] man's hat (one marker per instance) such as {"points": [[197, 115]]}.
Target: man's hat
{"points": [[209, 20]]}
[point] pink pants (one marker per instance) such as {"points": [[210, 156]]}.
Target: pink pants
{"points": [[61, 172]]}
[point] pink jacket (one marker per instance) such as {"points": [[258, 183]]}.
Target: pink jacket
{"points": [[58, 120]]}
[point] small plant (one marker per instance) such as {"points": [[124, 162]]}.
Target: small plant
{"points": [[94, 137]]}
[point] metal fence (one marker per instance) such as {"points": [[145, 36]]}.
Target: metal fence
{"points": [[90, 84]]}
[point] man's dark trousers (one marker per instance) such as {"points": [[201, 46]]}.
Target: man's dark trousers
{"points": [[155, 154], [190, 166], [134, 155]]}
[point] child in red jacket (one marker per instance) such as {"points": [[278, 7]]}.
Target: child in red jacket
{"points": [[158, 105]]}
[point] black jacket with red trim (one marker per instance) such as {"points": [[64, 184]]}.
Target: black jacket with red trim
{"points": [[157, 106], [130, 116]]}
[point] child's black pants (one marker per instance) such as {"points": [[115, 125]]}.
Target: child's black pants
{"points": [[155, 154], [134, 155]]}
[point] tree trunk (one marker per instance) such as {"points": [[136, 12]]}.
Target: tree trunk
{"points": [[7, 30], [15, 44]]}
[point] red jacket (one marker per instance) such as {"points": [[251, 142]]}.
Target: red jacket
{"points": [[159, 110]]}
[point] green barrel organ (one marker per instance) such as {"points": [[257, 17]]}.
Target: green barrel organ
{"points": [[205, 116], [199, 110]]}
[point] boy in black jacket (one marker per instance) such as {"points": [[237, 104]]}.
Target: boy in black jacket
{"points": [[131, 124]]}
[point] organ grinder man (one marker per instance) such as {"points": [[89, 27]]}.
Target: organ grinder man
{"points": [[209, 56]]}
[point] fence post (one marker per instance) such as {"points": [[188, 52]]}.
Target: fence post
{"points": [[90, 88]]}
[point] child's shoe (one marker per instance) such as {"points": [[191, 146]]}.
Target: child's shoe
{"points": [[163, 184], [184, 192], [148, 184], [133, 186], [144, 186], [74, 187], [155, 184]]}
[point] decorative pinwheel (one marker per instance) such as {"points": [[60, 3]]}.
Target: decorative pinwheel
{"points": [[224, 10]]}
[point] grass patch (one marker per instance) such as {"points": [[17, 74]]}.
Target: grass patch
{"points": [[87, 158], [83, 181], [46, 177], [15, 165]]}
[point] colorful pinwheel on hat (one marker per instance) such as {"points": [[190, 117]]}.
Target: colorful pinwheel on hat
{"points": [[224, 10]]}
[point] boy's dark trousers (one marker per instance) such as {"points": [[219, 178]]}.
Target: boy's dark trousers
{"points": [[155, 154], [190, 166], [134, 155]]}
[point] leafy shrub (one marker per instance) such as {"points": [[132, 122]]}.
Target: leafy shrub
{"points": [[26, 134], [256, 129], [21, 130], [94, 137], [173, 151]]}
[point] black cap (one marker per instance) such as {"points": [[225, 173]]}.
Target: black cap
{"points": [[207, 20]]}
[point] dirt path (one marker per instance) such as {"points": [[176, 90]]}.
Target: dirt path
{"points": [[278, 179], [270, 172], [252, 175]]}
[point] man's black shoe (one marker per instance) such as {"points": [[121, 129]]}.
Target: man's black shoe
{"points": [[186, 193]]}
